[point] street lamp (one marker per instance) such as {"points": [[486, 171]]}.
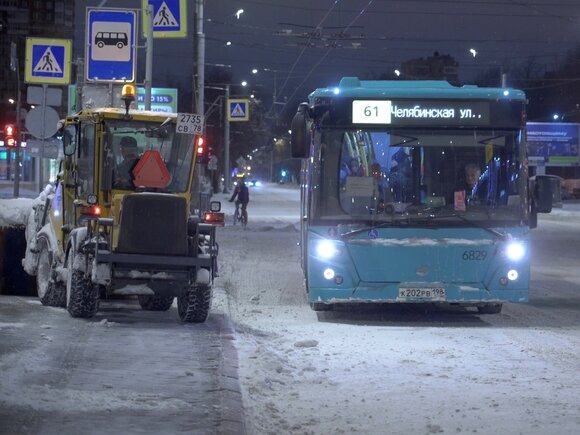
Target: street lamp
{"points": [[274, 94]]}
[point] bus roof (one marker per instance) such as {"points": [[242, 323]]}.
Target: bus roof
{"points": [[353, 87]]}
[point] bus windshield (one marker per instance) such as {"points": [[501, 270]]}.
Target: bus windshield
{"points": [[412, 175], [129, 140]]}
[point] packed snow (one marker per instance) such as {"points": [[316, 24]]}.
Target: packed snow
{"points": [[373, 371], [386, 370]]}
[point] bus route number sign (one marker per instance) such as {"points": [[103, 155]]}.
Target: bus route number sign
{"points": [[189, 123], [371, 112]]}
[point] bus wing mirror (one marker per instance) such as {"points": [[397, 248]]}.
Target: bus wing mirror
{"points": [[300, 137], [543, 190]]}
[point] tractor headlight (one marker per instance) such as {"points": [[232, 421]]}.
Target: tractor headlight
{"points": [[515, 251]]}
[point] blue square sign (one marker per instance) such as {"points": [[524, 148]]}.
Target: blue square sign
{"points": [[48, 61], [169, 18], [110, 45]]}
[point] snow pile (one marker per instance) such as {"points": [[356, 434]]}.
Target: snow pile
{"points": [[15, 212]]}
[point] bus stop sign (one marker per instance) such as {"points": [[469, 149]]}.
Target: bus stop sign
{"points": [[110, 45]]}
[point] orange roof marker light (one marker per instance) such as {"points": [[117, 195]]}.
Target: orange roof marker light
{"points": [[128, 96]]}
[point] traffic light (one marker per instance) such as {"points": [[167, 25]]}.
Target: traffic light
{"points": [[10, 134], [200, 149]]}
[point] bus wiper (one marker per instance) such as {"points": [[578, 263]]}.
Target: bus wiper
{"points": [[367, 228], [496, 233]]}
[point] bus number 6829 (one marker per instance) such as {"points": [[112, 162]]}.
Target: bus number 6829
{"points": [[474, 255]]}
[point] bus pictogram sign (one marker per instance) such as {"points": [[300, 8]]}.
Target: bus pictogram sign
{"points": [[110, 45]]}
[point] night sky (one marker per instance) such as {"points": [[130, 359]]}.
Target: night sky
{"points": [[364, 38]]}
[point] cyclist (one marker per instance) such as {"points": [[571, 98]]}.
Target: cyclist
{"points": [[243, 197]]}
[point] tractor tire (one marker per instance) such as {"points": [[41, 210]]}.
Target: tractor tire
{"points": [[50, 292], [193, 306], [81, 294], [155, 302]]}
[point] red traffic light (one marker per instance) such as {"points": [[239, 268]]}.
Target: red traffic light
{"points": [[199, 144], [201, 149], [10, 134]]}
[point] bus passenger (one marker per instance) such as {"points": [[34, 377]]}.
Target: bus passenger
{"points": [[353, 169], [400, 175]]}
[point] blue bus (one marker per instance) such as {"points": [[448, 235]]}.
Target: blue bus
{"points": [[416, 192]]}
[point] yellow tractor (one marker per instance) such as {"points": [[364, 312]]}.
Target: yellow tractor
{"points": [[118, 221]]}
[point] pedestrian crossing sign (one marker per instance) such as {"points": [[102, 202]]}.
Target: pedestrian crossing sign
{"points": [[238, 109], [169, 18], [48, 61]]}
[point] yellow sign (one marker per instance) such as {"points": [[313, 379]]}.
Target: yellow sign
{"points": [[488, 152], [238, 109], [48, 61], [169, 18]]}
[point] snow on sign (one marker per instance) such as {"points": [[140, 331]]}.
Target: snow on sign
{"points": [[169, 18], [48, 61], [238, 109], [189, 123]]}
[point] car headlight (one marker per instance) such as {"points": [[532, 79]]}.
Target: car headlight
{"points": [[515, 251], [326, 249]]}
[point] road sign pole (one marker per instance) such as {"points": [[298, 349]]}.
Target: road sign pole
{"points": [[200, 58], [18, 134], [149, 58], [226, 142]]}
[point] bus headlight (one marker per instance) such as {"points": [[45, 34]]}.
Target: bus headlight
{"points": [[515, 251], [512, 274], [328, 273], [326, 249]]}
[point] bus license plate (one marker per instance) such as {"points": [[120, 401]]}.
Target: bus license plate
{"points": [[422, 293]]}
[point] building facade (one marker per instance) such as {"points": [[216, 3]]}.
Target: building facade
{"points": [[20, 19]]}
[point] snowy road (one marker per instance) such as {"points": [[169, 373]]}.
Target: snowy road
{"points": [[125, 371], [372, 371], [387, 371]]}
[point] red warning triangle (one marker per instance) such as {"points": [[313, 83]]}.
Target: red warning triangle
{"points": [[151, 171]]}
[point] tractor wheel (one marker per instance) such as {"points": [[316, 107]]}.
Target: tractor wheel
{"points": [[50, 292], [155, 302], [82, 296], [194, 304]]}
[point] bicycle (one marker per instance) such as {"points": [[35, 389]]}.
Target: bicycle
{"points": [[239, 216]]}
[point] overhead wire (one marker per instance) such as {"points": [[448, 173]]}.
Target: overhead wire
{"points": [[327, 53], [330, 9], [396, 42]]}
